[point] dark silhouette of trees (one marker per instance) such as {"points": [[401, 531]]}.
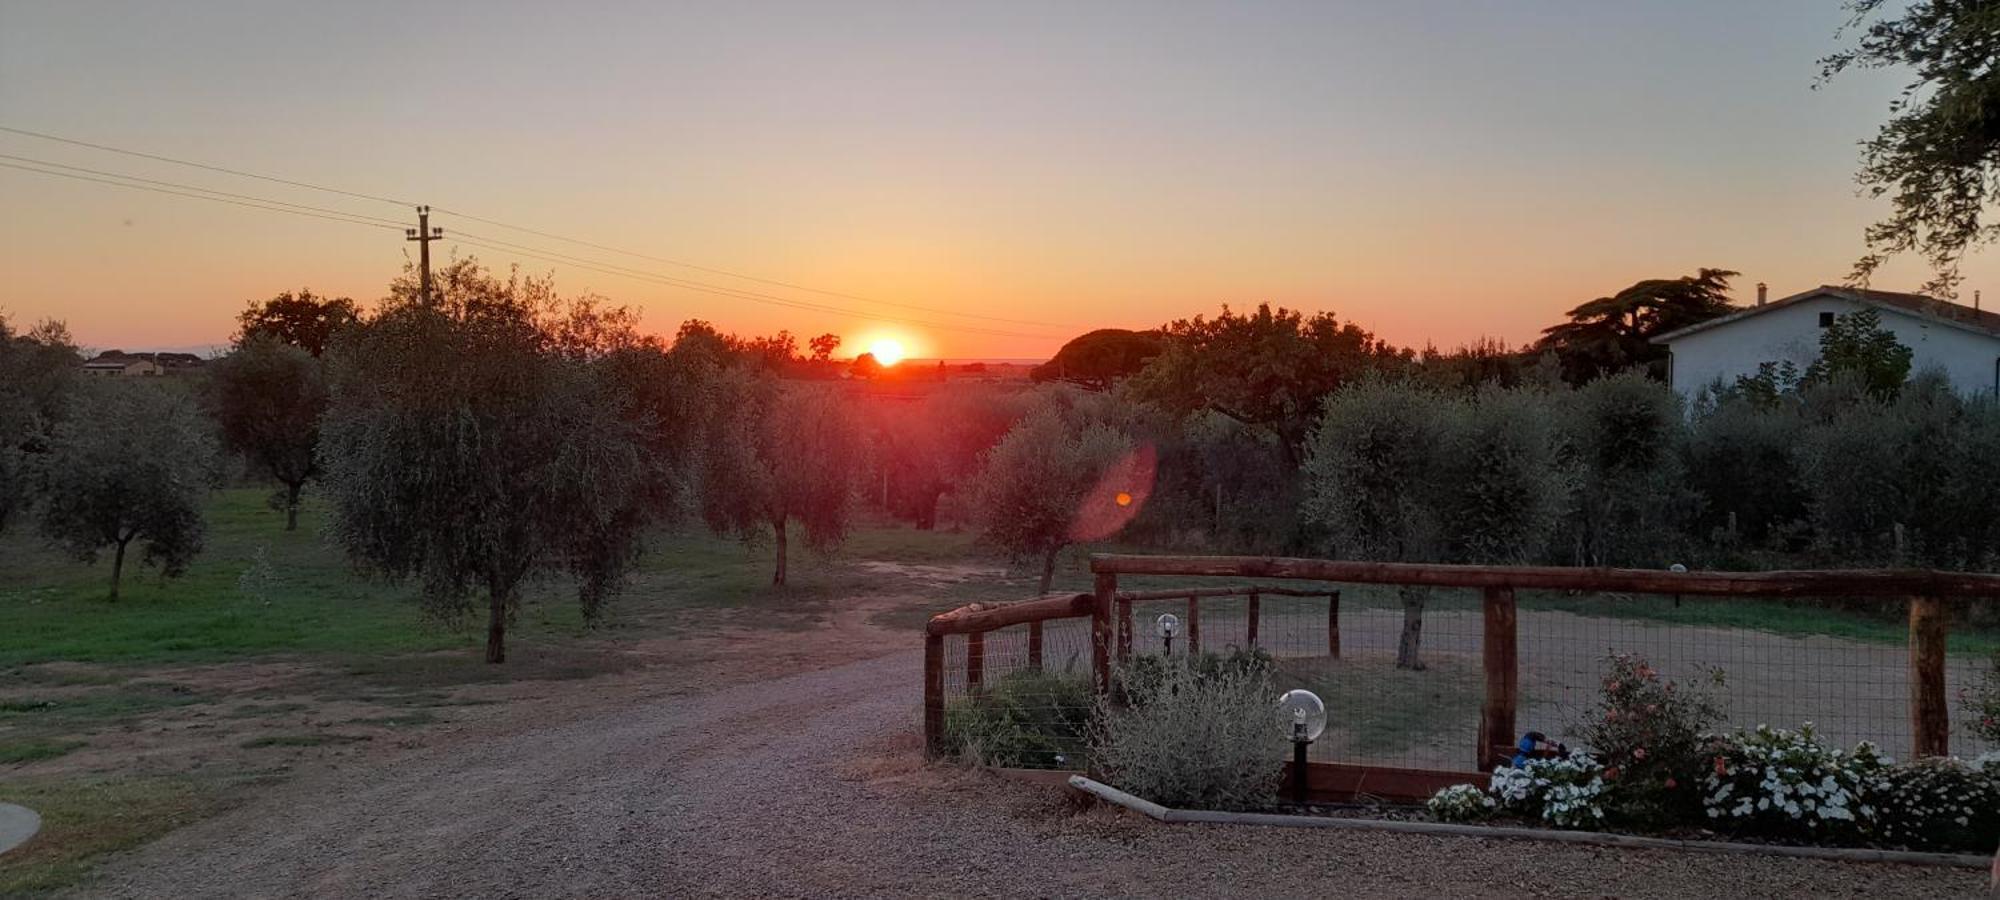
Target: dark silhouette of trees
{"points": [[1613, 334], [1099, 358], [267, 398], [780, 455], [491, 433], [38, 371], [133, 462], [1856, 343], [303, 320], [1938, 155]]}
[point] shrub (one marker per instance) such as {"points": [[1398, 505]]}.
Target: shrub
{"points": [[1026, 719], [1568, 792], [1212, 741], [1142, 677], [1938, 804], [1982, 704], [1787, 784], [1648, 734], [1461, 803]]}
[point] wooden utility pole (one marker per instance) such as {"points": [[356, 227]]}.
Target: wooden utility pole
{"points": [[424, 234]]}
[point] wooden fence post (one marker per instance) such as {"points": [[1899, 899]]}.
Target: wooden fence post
{"points": [[1333, 624], [975, 661], [1498, 650], [1100, 630], [1034, 645], [1124, 628], [1930, 720], [1253, 615], [1194, 625], [934, 695]]}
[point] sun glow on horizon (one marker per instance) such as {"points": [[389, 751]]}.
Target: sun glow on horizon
{"points": [[887, 351]]}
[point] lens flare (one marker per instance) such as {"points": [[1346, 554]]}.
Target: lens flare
{"points": [[1117, 497]]}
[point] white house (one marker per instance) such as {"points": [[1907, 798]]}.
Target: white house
{"points": [[1960, 341]]}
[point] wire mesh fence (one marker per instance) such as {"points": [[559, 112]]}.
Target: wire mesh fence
{"points": [[1760, 660]]}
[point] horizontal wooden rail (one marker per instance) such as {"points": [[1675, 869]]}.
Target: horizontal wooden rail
{"points": [[983, 617], [1231, 591], [1818, 583]]}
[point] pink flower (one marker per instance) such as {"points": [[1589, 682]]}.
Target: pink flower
{"points": [[1639, 754], [1671, 783], [1720, 769], [1611, 774]]}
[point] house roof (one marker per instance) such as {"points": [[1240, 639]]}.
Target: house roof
{"points": [[1922, 306]]}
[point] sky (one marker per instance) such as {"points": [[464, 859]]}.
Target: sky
{"points": [[975, 180]]}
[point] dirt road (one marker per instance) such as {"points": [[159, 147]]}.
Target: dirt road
{"points": [[809, 785]]}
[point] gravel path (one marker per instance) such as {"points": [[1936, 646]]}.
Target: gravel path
{"points": [[808, 785]]}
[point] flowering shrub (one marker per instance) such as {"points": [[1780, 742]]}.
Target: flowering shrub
{"points": [[1649, 733], [1982, 704], [1209, 741], [1786, 784], [1461, 803], [1939, 804], [1567, 793]]}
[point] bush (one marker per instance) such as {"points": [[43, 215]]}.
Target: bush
{"points": [[1982, 703], [1205, 740], [1141, 678], [1461, 803], [1789, 785], [1567, 793], [1027, 719], [1938, 804], [1649, 735]]}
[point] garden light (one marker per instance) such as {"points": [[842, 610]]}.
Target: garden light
{"points": [[1305, 714], [1168, 626]]}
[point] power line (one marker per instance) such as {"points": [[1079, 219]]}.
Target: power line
{"points": [[336, 217], [189, 187], [859, 298]]}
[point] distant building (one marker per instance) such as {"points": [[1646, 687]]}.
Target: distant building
{"points": [[1960, 341], [119, 364]]}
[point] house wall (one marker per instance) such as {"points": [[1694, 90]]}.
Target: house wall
{"points": [[1792, 333]]}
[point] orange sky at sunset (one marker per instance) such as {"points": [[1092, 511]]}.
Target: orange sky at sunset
{"points": [[1433, 172]]}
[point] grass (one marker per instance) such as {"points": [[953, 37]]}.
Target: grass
{"points": [[33, 749], [1399, 709], [128, 702], [83, 820], [304, 740]]}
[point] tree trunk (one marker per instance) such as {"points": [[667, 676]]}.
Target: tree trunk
{"points": [[496, 626], [292, 505], [118, 566], [1048, 569], [778, 577], [1410, 645]]}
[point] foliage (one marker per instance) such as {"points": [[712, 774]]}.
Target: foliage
{"points": [[1569, 792], [1097, 359], [267, 398], [1788, 784], [1038, 481], [1269, 369], [303, 320], [934, 449], [1614, 334], [1026, 719], [780, 455], [132, 462], [480, 437], [1502, 485], [1204, 741], [1649, 733], [1625, 434], [1938, 804], [1743, 471], [1461, 803], [1981, 703], [37, 373], [1936, 155], [1141, 678], [1856, 343]]}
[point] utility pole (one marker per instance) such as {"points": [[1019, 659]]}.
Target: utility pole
{"points": [[424, 234]]}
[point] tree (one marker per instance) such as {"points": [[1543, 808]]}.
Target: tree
{"points": [[1857, 343], [303, 320], [1270, 369], [823, 347], [1096, 359], [488, 434], [1613, 334], [1049, 483], [267, 397], [38, 371], [1502, 485], [1369, 473], [132, 462], [1938, 156], [866, 366], [781, 454], [1626, 436]]}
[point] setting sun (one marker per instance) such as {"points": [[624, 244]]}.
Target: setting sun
{"points": [[887, 352]]}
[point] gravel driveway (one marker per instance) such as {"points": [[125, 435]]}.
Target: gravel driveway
{"points": [[808, 785]]}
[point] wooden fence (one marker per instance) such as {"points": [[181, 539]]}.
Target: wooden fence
{"points": [[1928, 593]]}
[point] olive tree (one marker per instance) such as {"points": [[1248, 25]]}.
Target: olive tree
{"points": [[1039, 485], [1626, 436], [781, 455], [38, 370], [267, 398], [131, 463], [486, 435]]}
